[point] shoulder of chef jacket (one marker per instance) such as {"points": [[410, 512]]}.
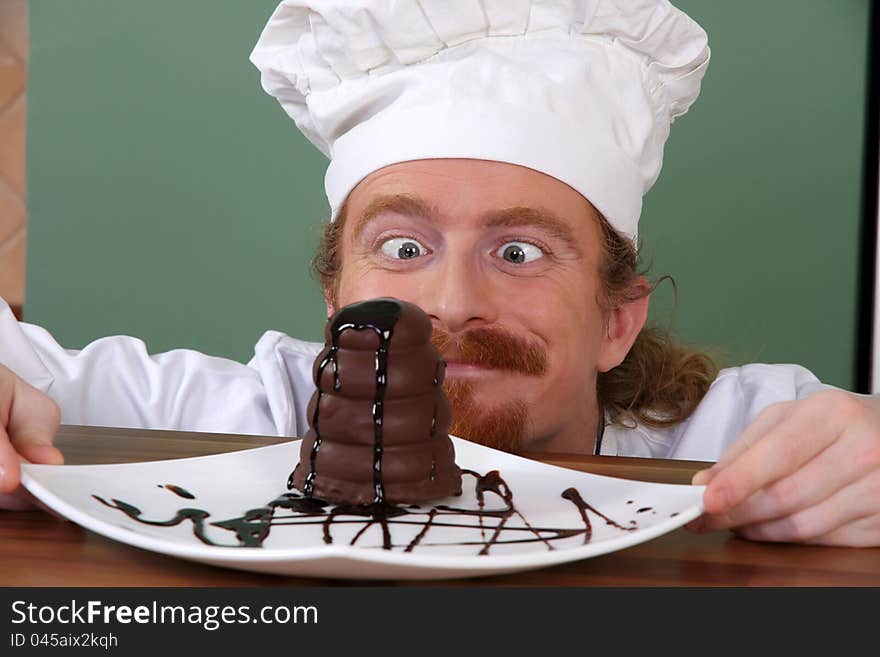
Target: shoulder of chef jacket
{"points": [[735, 398], [114, 381]]}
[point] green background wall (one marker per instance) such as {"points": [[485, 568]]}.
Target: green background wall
{"points": [[171, 199]]}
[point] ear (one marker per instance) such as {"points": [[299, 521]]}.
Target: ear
{"points": [[623, 326], [329, 302]]}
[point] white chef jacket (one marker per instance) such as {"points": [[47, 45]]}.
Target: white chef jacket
{"points": [[116, 382]]}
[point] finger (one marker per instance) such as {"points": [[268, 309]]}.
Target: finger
{"points": [[774, 455], [861, 533], [832, 516], [766, 420], [44, 454], [762, 424], [820, 478], [34, 419], [703, 477], [24, 500], [10, 472], [15, 502]]}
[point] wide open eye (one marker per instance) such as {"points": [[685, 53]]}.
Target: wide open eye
{"points": [[403, 248], [519, 253]]}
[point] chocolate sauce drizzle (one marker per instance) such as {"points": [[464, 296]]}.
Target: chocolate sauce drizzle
{"points": [[177, 490], [253, 527], [380, 316], [574, 496]]}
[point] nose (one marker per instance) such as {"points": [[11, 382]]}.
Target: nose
{"points": [[458, 296]]}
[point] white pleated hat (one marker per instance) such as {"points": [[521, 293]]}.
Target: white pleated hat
{"points": [[582, 90]]}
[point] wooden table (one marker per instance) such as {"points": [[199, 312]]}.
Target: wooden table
{"points": [[37, 549]]}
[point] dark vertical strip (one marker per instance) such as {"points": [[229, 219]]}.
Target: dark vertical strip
{"points": [[379, 412], [868, 255], [331, 357]]}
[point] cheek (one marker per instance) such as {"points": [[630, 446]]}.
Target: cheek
{"points": [[573, 328], [574, 347]]}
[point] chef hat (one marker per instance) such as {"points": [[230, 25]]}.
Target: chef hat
{"points": [[582, 90]]}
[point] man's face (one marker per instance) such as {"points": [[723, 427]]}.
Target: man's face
{"points": [[504, 259]]}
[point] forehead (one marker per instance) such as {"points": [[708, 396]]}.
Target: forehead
{"points": [[467, 190]]}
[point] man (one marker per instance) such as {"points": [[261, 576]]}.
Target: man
{"points": [[488, 162]]}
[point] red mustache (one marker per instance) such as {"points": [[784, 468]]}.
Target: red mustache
{"points": [[492, 347]]}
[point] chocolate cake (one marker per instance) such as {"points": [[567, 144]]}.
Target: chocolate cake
{"points": [[379, 417]]}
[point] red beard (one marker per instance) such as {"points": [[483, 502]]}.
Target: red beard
{"points": [[505, 426]]}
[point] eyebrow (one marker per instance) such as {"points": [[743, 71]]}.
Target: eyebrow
{"points": [[536, 217], [399, 203], [512, 217]]}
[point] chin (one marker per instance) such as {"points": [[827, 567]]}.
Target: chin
{"points": [[501, 425]]}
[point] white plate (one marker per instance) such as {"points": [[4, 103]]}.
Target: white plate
{"points": [[226, 486]]}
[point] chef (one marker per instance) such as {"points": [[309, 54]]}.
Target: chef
{"points": [[488, 162]]}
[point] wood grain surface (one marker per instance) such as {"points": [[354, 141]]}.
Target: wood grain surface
{"points": [[37, 549]]}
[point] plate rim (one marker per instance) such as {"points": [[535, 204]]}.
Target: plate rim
{"points": [[356, 554]]}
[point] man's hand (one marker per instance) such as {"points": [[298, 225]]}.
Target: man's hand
{"points": [[805, 471], [28, 423]]}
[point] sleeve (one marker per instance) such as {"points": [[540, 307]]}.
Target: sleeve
{"points": [[285, 365], [733, 401], [114, 381]]}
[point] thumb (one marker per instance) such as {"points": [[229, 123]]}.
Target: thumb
{"points": [[703, 477], [34, 419], [35, 452]]}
